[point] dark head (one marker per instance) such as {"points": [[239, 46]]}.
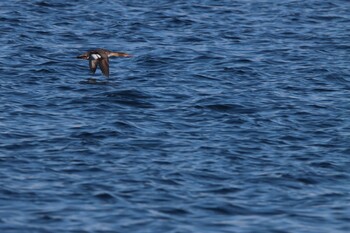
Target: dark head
{"points": [[83, 56]]}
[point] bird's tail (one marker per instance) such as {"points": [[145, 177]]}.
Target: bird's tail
{"points": [[120, 54]]}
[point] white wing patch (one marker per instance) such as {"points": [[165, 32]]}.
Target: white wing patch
{"points": [[95, 56]]}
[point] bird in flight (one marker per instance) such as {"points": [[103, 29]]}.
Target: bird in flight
{"points": [[100, 57]]}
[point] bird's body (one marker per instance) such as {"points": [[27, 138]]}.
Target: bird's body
{"points": [[100, 57]]}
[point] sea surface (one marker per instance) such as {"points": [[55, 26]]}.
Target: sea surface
{"points": [[232, 116]]}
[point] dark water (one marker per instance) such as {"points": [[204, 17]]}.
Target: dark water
{"points": [[232, 116]]}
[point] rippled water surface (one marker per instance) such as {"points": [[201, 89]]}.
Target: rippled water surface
{"points": [[231, 116]]}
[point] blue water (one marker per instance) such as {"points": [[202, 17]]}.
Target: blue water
{"points": [[231, 116]]}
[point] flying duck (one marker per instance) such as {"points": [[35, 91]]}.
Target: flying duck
{"points": [[100, 57]]}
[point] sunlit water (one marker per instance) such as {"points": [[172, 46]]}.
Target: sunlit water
{"points": [[232, 116]]}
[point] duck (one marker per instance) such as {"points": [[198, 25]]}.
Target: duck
{"points": [[100, 57]]}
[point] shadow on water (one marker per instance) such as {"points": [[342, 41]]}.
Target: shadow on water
{"points": [[94, 81]]}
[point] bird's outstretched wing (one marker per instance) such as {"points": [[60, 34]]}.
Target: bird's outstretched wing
{"points": [[93, 65], [104, 65]]}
